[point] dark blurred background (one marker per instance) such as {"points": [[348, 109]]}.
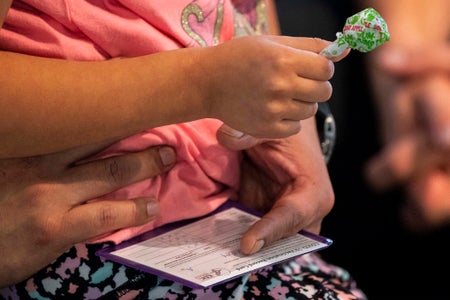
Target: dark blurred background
{"points": [[387, 260]]}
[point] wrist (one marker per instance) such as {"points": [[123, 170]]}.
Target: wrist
{"points": [[200, 84]]}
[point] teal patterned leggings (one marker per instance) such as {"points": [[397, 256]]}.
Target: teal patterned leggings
{"points": [[80, 274]]}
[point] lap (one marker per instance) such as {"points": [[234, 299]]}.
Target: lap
{"points": [[80, 274]]}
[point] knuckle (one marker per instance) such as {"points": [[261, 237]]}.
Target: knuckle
{"points": [[45, 229], [115, 170], [276, 85], [278, 65], [152, 161], [292, 224], [107, 217], [36, 194], [289, 226]]}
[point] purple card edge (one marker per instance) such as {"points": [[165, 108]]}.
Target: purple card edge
{"points": [[106, 252]]}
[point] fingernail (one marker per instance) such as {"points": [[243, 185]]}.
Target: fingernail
{"points": [[231, 132], [167, 155], [152, 208], [257, 246]]}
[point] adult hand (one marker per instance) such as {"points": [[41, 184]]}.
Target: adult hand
{"points": [[413, 97], [43, 209], [288, 180], [423, 173]]}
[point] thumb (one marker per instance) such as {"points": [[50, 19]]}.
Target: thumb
{"points": [[236, 140], [279, 222]]}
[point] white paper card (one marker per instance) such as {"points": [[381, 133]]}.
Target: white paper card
{"points": [[206, 252]]}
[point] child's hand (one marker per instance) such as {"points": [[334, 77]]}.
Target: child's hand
{"points": [[264, 85]]}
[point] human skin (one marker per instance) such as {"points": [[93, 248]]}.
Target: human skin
{"points": [[411, 87], [289, 181], [286, 178], [417, 158], [43, 208], [291, 78]]}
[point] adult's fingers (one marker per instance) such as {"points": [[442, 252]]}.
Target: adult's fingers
{"points": [[261, 233], [395, 164], [279, 222], [413, 61], [96, 178], [401, 160], [98, 218], [283, 220], [60, 160], [433, 104], [428, 202]]}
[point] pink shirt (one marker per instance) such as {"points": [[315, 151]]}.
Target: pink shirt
{"points": [[206, 174]]}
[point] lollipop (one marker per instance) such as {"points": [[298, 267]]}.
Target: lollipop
{"points": [[363, 31]]}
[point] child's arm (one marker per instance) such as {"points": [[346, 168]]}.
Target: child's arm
{"points": [[4, 7], [261, 85], [50, 104]]}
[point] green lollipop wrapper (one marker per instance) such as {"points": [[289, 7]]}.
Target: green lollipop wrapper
{"points": [[363, 31]]}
